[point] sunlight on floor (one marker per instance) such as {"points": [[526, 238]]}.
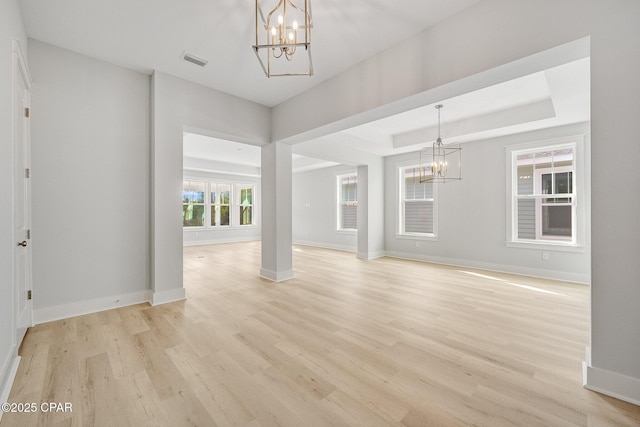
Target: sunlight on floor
{"points": [[531, 288]]}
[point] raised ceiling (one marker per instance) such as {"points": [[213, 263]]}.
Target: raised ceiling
{"points": [[149, 35], [555, 97]]}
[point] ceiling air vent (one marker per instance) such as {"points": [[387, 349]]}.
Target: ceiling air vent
{"points": [[194, 59]]}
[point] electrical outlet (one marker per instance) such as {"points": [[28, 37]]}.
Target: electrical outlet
{"points": [[417, 244], [545, 256]]}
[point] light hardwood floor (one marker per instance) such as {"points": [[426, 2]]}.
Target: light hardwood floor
{"points": [[346, 343]]}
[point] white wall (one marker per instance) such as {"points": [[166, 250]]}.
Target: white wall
{"points": [[179, 105], [90, 181], [314, 209], [472, 215], [205, 236], [10, 27], [475, 48]]}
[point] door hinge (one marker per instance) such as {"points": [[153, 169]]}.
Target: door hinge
{"points": [[27, 173], [29, 295], [26, 112], [28, 234]]}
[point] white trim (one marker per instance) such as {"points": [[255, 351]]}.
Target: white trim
{"points": [[333, 246], [610, 383], [580, 192], [370, 255], [20, 73], [9, 371], [538, 173], [546, 246], [501, 268], [338, 201], [235, 186], [276, 276], [352, 231], [216, 241], [22, 64], [165, 297], [399, 211], [197, 228], [79, 308], [417, 236]]}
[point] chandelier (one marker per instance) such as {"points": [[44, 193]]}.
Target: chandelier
{"points": [[440, 163], [283, 38]]}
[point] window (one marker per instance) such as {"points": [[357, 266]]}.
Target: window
{"points": [[417, 204], [193, 212], [212, 204], [545, 183], [220, 204], [245, 207], [348, 202]]}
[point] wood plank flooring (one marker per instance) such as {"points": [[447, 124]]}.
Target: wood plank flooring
{"points": [[347, 342]]}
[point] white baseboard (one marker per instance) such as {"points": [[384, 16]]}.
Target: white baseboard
{"points": [[325, 245], [370, 255], [7, 376], [610, 383], [64, 311], [217, 241], [501, 268], [276, 276], [171, 295]]}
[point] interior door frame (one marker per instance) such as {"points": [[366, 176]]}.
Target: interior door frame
{"points": [[21, 73]]}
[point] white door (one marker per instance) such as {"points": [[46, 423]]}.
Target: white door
{"points": [[21, 194]]}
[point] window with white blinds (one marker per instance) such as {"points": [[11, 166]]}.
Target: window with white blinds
{"points": [[417, 203], [544, 197], [348, 202], [548, 194]]}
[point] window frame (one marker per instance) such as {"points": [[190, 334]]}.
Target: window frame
{"points": [[218, 205], [203, 204], [238, 190], [579, 195], [400, 203], [234, 209], [539, 203], [339, 202]]}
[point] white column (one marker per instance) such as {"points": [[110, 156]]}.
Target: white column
{"points": [[363, 212], [276, 212], [371, 210]]}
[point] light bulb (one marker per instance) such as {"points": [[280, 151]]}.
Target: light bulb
{"points": [[273, 31], [290, 36], [295, 25], [280, 19]]}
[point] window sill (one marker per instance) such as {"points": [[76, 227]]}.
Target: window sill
{"points": [[547, 246], [346, 231], [227, 227], [428, 237]]}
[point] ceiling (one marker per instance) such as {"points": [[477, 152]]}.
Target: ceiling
{"points": [[149, 35], [224, 156], [554, 97]]}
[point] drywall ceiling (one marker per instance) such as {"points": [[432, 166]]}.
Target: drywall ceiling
{"points": [[219, 155], [554, 97], [149, 35]]}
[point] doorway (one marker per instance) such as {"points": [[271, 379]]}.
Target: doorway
{"points": [[21, 195]]}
